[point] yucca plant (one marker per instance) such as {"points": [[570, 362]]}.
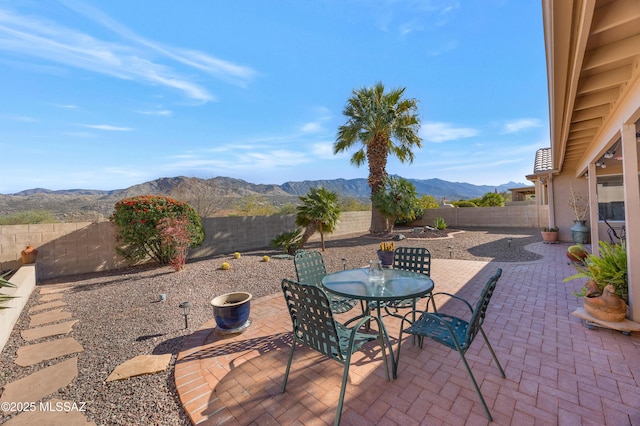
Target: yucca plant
{"points": [[440, 224], [608, 267], [4, 298]]}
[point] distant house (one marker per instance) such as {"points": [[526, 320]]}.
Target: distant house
{"points": [[593, 71]]}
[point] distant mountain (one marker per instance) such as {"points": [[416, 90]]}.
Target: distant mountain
{"points": [[217, 194], [438, 188]]}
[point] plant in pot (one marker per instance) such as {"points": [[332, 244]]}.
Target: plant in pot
{"points": [[606, 292], [550, 234], [579, 205], [577, 253], [385, 254]]}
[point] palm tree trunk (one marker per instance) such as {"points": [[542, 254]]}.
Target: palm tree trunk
{"points": [[321, 235], [308, 232]]}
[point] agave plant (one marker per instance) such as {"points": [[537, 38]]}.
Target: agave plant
{"points": [[4, 298]]}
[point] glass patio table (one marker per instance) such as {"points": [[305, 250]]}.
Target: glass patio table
{"points": [[398, 284]]}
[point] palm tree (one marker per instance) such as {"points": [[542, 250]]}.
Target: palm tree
{"points": [[384, 123], [319, 212]]}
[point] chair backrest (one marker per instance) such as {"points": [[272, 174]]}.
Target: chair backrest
{"points": [[415, 259], [481, 308], [310, 267], [312, 319]]}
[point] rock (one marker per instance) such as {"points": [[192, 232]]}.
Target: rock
{"points": [[142, 364]]}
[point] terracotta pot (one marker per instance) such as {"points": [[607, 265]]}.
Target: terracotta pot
{"points": [[550, 237], [29, 255], [577, 257], [607, 306]]}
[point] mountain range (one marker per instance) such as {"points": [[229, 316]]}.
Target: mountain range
{"points": [[220, 192]]}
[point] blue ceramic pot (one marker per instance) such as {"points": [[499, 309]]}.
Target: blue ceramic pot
{"points": [[386, 257], [580, 232], [231, 310]]}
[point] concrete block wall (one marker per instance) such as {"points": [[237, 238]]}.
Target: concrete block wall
{"points": [[519, 216], [79, 248]]}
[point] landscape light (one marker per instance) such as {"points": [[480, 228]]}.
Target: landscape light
{"points": [[185, 306]]}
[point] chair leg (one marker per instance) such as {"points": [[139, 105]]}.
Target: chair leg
{"points": [[286, 373], [493, 354], [475, 384], [343, 388]]}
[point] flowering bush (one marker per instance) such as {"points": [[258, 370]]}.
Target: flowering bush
{"points": [[138, 235]]}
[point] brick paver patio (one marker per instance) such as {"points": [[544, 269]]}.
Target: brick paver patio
{"points": [[558, 371]]}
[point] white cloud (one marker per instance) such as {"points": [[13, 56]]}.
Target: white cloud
{"points": [[442, 132], [162, 112], [522, 124], [107, 127], [135, 59], [312, 127]]}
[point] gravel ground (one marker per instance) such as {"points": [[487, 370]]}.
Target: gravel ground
{"points": [[121, 316]]}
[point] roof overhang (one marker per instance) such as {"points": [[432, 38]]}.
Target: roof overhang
{"points": [[593, 57]]}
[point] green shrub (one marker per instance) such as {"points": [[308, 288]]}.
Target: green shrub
{"points": [[137, 219], [464, 203], [439, 223], [28, 218], [287, 241]]}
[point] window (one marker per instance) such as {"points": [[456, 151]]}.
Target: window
{"points": [[610, 197]]}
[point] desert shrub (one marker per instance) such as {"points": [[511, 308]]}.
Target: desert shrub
{"points": [[136, 220], [428, 202], [175, 239], [491, 199], [28, 217], [464, 203], [287, 241], [440, 224]]}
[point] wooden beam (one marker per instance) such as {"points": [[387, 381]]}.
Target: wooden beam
{"points": [[614, 14], [600, 98], [612, 52], [587, 124], [582, 133], [590, 113], [605, 80]]}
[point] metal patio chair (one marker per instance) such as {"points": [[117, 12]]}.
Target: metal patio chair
{"points": [[415, 259], [315, 327], [454, 332], [310, 269]]}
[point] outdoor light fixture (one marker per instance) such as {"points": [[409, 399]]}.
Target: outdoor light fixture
{"points": [[185, 306], [608, 154], [344, 263], [450, 251], [509, 242]]}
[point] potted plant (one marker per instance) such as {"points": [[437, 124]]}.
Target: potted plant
{"points": [[385, 254], [606, 292], [580, 207], [577, 253], [550, 234]]}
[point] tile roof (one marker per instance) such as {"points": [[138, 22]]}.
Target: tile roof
{"points": [[543, 161]]}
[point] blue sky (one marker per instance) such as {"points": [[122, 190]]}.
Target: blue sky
{"points": [[105, 95]]}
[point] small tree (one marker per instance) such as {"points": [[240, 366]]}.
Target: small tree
{"points": [[397, 200], [137, 219], [428, 202], [491, 199], [175, 239], [319, 212]]}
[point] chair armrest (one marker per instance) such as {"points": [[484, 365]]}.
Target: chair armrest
{"points": [[453, 296]]}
